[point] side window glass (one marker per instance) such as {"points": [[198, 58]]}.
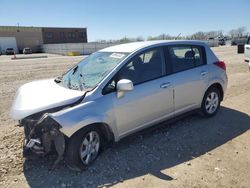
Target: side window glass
{"points": [[185, 57], [248, 41], [198, 56], [182, 57], [144, 67]]}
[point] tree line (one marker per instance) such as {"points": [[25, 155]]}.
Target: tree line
{"points": [[200, 35]]}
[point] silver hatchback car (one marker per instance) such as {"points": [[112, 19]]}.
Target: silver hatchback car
{"points": [[115, 92]]}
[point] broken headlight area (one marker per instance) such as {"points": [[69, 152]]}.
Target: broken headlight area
{"points": [[42, 135]]}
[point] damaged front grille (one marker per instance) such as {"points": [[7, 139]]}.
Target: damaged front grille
{"points": [[41, 134]]}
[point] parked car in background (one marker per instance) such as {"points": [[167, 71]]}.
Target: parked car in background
{"points": [[222, 42], [247, 52], [9, 51], [238, 41], [115, 92], [27, 51]]}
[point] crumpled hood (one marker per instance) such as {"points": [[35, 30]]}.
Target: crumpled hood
{"points": [[41, 95]]}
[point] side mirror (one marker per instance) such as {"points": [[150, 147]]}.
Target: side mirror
{"points": [[123, 86]]}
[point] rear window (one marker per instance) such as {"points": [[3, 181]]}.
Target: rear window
{"points": [[186, 57], [9, 48]]}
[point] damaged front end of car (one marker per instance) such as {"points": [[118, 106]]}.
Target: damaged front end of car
{"points": [[42, 135]]}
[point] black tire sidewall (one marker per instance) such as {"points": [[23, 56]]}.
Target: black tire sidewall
{"points": [[72, 155], [203, 108]]}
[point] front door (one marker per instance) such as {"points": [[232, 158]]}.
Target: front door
{"points": [[151, 100]]}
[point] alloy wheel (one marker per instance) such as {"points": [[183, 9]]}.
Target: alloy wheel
{"points": [[212, 102], [90, 147]]}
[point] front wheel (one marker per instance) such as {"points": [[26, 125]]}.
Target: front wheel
{"points": [[83, 148], [211, 102]]}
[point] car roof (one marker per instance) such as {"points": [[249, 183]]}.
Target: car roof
{"points": [[133, 46]]}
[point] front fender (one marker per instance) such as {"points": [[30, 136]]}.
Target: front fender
{"points": [[77, 117]]}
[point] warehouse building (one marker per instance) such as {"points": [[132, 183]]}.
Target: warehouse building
{"points": [[35, 37], [53, 35]]}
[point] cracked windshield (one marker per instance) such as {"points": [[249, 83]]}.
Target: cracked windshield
{"points": [[90, 71]]}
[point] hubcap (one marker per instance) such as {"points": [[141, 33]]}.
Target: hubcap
{"points": [[89, 147], [212, 102]]}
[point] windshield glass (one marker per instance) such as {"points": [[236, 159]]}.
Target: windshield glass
{"points": [[91, 70]]}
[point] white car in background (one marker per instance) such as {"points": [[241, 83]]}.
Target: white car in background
{"points": [[247, 52], [115, 92]]}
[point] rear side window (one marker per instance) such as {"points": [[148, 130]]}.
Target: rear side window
{"points": [[185, 57]]}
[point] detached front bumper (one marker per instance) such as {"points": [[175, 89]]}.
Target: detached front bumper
{"points": [[41, 135]]}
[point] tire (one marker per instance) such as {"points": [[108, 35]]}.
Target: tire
{"points": [[211, 102], [81, 144]]}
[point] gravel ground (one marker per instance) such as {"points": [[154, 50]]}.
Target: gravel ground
{"points": [[192, 152]]}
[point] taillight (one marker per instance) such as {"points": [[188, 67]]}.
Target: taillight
{"points": [[221, 64]]}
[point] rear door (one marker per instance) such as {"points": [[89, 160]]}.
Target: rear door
{"points": [[247, 50], [190, 76]]}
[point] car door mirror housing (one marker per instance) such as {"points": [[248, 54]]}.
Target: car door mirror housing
{"points": [[123, 86]]}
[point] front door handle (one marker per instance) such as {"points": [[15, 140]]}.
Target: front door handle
{"points": [[204, 73], [165, 85]]}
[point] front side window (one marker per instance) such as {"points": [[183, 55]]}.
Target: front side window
{"points": [[185, 57], [90, 71], [144, 67]]}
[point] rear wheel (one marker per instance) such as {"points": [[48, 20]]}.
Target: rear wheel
{"points": [[83, 148], [211, 102]]}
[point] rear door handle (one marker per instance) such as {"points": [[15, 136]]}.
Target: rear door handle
{"points": [[204, 73], [165, 85]]}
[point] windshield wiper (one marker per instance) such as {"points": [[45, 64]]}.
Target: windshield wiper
{"points": [[81, 79], [75, 69]]}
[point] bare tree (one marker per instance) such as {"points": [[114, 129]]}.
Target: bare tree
{"points": [[239, 32], [232, 33], [242, 31], [139, 38], [199, 36]]}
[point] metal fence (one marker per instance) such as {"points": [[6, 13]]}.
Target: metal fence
{"points": [[81, 48]]}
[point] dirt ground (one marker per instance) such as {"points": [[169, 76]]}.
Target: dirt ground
{"points": [[192, 152]]}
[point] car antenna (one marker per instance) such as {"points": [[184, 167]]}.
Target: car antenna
{"points": [[177, 36]]}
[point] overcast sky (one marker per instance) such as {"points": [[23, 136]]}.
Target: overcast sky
{"points": [[114, 19]]}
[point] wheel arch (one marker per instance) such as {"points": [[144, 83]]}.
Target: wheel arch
{"points": [[104, 128], [219, 87]]}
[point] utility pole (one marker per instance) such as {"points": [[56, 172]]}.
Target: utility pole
{"points": [[18, 27]]}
